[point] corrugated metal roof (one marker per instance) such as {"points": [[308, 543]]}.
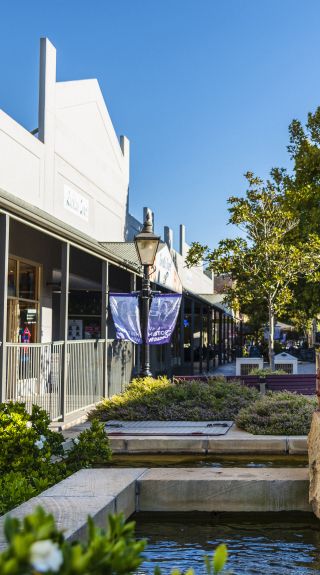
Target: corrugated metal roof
{"points": [[124, 250]]}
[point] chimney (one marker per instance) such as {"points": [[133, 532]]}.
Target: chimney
{"points": [[47, 91], [125, 148], [145, 212], [182, 249], [168, 237]]}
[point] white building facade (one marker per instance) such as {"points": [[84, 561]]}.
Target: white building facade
{"points": [[63, 210]]}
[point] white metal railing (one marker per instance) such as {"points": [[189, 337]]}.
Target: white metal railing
{"points": [[85, 366], [121, 360], [34, 373]]}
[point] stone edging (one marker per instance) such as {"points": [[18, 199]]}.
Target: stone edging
{"points": [[99, 492], [206, 445]]}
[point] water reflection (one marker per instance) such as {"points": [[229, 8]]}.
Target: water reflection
{"points": [[195, 460], [274, 546]]}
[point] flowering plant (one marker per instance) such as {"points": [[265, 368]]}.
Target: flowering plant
{"points": [[26, 441], [35, 546]]}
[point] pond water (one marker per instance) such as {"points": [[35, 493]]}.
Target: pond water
{"points": [[266, 544], [209, 461]]}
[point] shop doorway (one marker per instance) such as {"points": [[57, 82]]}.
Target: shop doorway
{"points": [[23, 301]]}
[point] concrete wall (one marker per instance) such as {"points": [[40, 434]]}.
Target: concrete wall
{"points": [[76, 170], [22, 162], [133, 227], [193, 279]]}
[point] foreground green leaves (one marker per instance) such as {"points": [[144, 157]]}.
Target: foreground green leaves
{"points": [[35, 545]]}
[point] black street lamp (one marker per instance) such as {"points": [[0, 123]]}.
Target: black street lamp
{"points": [[146, 243]]}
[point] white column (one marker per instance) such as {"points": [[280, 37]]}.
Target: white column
{"points": [[4, 254], [64, 306], [47, 113], [104, 324]]}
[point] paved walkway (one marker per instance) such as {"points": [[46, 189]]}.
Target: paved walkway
{"points": [[167, 428]]}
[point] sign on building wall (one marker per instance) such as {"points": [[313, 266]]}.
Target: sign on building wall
{"points": [[76, 203], [165, 273]]}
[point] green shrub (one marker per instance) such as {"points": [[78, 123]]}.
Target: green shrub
{"points": [[281, 413], [32, 456], [26, 441], [90, 448], [267, 371], [36, 546], [15, 488], [159, 399], [27, 449]]}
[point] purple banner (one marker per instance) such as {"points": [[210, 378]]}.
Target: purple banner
{"points": [[125, 312], [163, 317]]}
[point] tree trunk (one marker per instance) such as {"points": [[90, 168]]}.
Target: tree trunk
{"points": [[271, 336]]}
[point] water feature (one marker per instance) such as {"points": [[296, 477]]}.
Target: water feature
{"points": [[238, 460], [268, 544]]}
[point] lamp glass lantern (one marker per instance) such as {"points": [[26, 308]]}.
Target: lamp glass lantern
{"points": [[147, 245]]}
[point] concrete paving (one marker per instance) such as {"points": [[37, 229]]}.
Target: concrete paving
{"points": [[233, 442], [167, 428]]}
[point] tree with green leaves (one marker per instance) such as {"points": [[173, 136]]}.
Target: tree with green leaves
{"points": [[263, 264], [302, 191]]}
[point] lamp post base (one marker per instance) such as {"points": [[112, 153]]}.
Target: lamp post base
{"points": [[145, 372]]}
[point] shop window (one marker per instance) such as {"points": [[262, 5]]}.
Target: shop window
{"points": [[84, 320], [23, 301], [12, 278], [27, 281]]}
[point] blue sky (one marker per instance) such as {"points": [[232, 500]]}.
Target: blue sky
{"points": [[204, 89]]}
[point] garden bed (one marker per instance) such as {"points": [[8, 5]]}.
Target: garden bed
{"points": [[149, 399], [275, 413]]}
